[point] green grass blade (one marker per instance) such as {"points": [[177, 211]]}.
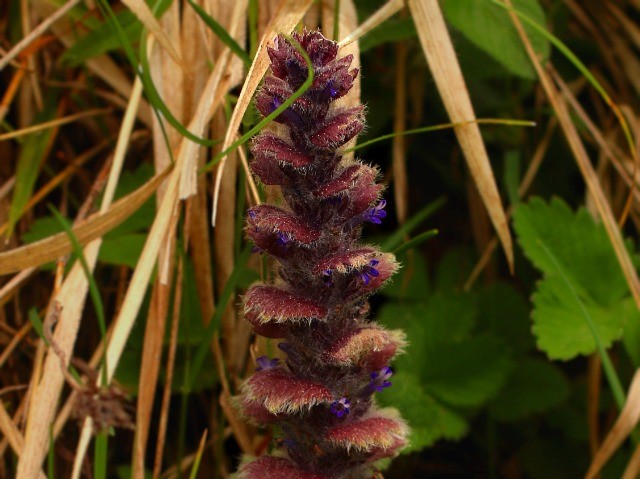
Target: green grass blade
{"points": [[268, 119], [336, 20], [34, 148], [395, 240], [94, 292], [198, 458], [100, 458], [36, 322], [101, 40], [221, 33], [412, 243], [442, 126]]}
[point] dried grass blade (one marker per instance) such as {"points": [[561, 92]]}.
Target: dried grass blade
{"points": [[10, 431], [441, 58], [627, 420], [36, 32], [59, 178], [70, 298], [170, 366], [103, 66], [221, 33], [633, 466], [630, 26], [141, 10], [289, 13], [138, 286], [380, 16], [213, 94], [12, 285], [53, 123], [610, 150], [48, 249], [400, 177], [196, 50]]}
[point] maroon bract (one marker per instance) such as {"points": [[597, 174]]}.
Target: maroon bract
{"points": [[336, 357]]}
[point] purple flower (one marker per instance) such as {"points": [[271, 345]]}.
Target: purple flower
{"points": [[283, 239], [265, 363], [327, 275], [369, 271], [288, 116], [341, 407], [375, 214], [380, 379], [329, 91]]}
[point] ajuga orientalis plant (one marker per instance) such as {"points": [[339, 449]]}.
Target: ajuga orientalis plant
{"points": [[321, 397]]}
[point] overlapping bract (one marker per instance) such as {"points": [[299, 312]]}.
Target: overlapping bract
{"points": [[336, 358]]}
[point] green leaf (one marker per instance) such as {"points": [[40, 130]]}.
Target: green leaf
{"points": [[560, 326], [415, 242], [534, 386], [583, 281], [429, 419], [122, 250], [446, 317], [142, 218], [580, 246], [41, 228], [454, 268], [503, 312], [490, 28], [467, 373], [631, 341], [453, 367], [411, 282]]}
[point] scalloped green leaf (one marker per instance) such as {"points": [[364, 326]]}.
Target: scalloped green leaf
{"points": [[560, 326], [429, 419], [534, 386], [556, 240], [579, 244], [503, 311], [490, 28], [457, 369], [467, 373], [122, 250]]}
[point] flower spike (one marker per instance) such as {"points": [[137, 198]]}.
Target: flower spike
{"points": [[334, 356]]}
